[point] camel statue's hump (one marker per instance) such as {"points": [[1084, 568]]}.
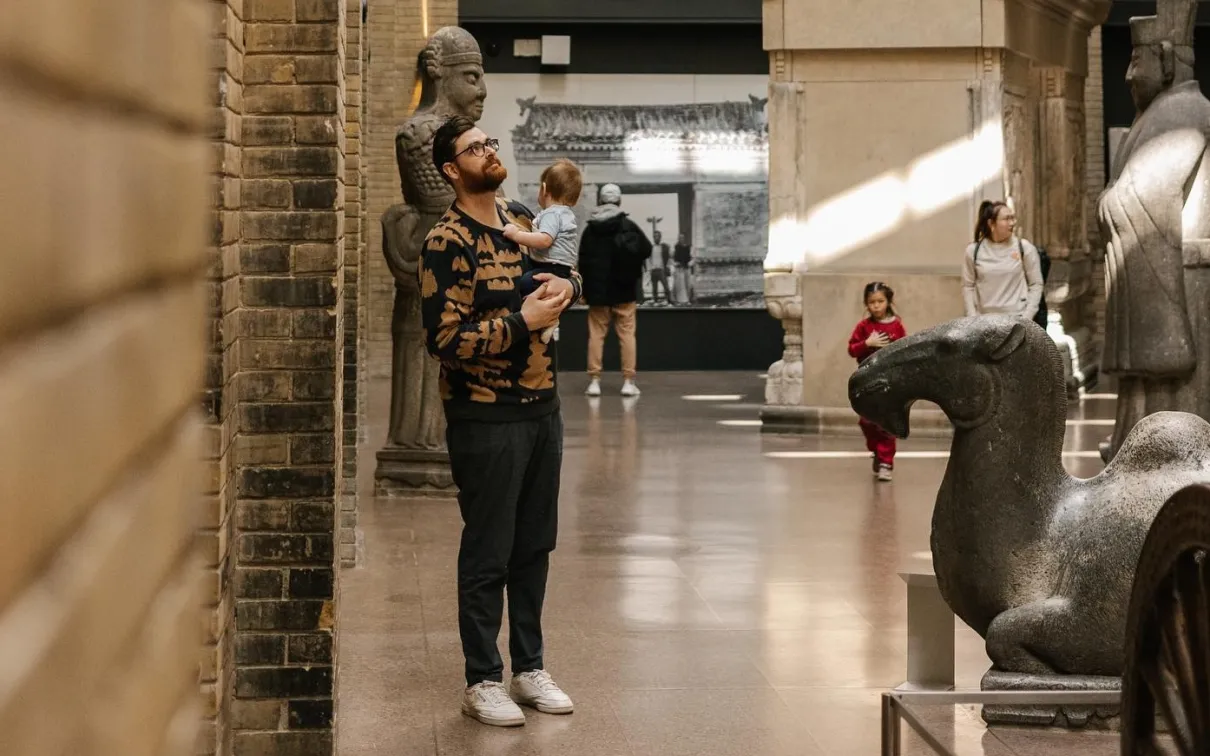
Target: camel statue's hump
{"points": [[1165, 440]]}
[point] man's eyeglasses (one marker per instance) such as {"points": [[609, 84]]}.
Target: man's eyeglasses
{"points": [[479, 148]]}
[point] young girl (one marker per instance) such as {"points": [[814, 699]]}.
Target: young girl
{"points": [[880, 327]]}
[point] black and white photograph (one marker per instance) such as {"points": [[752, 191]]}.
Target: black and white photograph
{"points": [[689, 152]]}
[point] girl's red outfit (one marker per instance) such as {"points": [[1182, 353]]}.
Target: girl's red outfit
{"points": [[878, 441]]}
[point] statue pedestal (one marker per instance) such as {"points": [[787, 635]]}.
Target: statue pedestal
{"points": [[783, 387], [1076, 717], [414, 473]]}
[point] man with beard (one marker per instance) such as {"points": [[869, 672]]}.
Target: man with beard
{"points": [[505, 430]]}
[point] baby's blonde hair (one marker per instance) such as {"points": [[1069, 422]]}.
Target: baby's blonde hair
{"points": [[563, 182]]}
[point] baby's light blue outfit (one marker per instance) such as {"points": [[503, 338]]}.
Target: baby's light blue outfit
{"points": [[560, 222]]}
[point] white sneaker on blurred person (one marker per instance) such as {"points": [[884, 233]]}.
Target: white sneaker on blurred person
{"points": [[629, 388], [594, 388]]}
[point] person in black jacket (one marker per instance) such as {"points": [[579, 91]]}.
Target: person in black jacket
{"points": [[612, 252]]}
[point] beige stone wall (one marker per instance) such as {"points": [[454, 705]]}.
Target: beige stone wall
{"points": [[102, 337], [880, 113], [397, 31], [888, 126], [831, 307]]}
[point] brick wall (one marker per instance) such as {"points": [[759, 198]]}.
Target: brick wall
{"points": [[284, 324], [363, 117], [226, 92], [1094, 108], [102, 336], [353, 251], [397, 31]]}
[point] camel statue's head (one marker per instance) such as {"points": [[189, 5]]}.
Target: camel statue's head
{"points": [[954, 365]]}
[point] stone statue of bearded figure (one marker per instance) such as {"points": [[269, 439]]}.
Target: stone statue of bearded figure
{"points": [[450, 70], [1155, 218]]}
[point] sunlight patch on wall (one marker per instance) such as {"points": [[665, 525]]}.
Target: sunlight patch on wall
{"points": [[703, 153], [877, 208]]}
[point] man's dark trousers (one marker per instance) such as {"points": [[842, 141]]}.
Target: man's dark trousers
{"points": [[507, 474]]}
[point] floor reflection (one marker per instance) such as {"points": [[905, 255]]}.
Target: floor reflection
{"points": [[705, 598]]}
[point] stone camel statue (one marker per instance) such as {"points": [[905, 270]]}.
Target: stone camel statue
{"points": [[1038, 562]]}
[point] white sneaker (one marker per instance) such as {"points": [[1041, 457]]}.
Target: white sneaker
{"points": [[629, 389], [884, 472], [594, 388], [536, 689], [489, 702]]}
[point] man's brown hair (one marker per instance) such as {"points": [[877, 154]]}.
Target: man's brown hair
{"points": [[563, 182]]}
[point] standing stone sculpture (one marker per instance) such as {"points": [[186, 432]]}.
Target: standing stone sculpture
{"points": [[1155, 216], [415, 459], [1039, 563]]}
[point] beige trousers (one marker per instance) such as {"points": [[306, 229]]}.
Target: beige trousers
{"points": [[623, 324]]}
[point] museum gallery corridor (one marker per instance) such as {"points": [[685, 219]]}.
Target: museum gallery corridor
{"points": [[713, 592]]}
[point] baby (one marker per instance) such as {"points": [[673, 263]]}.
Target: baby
{"points": [[552, 243]]}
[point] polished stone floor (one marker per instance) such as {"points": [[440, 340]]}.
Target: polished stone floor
{"points": [[715, 591]]}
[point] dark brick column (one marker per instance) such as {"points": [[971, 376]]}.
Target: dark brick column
{"points": [[226, 87], [288, 332], [354, 249]]}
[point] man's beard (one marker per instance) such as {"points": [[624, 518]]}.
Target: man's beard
{"points": [[493, 176]]}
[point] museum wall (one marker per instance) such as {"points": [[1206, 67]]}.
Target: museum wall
{"points": [[630, 11], [676, 115]]}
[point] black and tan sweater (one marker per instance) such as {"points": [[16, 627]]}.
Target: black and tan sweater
{"points": [[492, 367]]}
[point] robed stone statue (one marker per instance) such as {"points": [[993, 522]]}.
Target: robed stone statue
{"points": [[451, 75], [1155, 218]]}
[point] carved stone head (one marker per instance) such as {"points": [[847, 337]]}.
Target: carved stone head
{"points": [[452, 68], [1163, 50], [962, 366]]}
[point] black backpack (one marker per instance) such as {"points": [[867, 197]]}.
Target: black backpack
{"points": [[1043, 313]]}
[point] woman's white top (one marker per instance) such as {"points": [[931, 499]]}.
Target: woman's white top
{"points": [[1006, 278]]}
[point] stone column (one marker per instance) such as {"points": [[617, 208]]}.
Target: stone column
{"points": [[226, 89], [783, 387], [886, 131], [354, 250], [1093, 305], [1063, 224], [285, 322], [783, 289]]}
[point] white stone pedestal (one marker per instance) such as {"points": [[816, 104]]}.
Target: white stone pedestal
{"points": [[930, 642]]}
